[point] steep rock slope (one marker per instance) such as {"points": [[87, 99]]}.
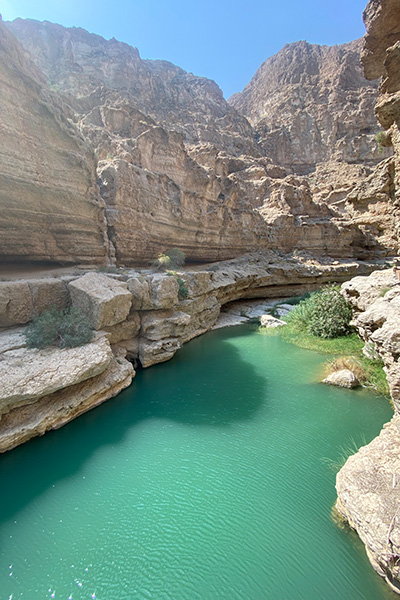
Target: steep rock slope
{"points": [[368, 484], [45, 215], [310, 104], [176, 165]]}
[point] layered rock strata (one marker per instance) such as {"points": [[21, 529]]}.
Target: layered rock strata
{"points": [[139, 318], [51, 209], [368, 485], [178, 166], [310, 104]]}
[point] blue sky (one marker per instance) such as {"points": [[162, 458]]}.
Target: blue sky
{"points": [[225, 40]]}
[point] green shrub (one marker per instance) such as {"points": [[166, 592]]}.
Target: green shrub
{"points": [[171, 259], [324, 314], [183, 292], [63, 328]]}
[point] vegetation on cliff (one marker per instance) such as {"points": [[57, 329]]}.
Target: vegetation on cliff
{"points": [[63, 328]]}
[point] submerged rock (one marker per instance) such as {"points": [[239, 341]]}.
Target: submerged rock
{"points": [[270, 321]]}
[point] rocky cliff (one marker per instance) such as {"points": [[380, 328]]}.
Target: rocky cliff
{"points": [[178, 166], [368, 484], [51, 209], [310, 104]]}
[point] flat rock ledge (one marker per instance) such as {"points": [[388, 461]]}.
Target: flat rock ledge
{"points": [[45, 389], [368, 489]]}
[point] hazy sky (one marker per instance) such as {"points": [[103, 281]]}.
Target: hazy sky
{"points": [[225, 40]]}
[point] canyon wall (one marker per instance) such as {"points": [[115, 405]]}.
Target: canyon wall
{"points": [[310, 104], [177, 166], [368, 485], [51, 209]]}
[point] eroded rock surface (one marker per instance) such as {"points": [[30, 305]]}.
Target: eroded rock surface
{"points": [[51, 208], [310, 104], [178, 166]]}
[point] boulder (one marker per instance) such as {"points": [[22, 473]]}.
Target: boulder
{"points": [[343, 378], [270, 321], [139, 287], [126, 330], [151, 352], [164, 291], [157, 325], [55, 410], [105, 300]]}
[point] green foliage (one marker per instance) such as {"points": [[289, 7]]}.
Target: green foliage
{"points": [[183, 292], [381, 140], [171, 259], [63, 328], [384, 290], [324, 314]]}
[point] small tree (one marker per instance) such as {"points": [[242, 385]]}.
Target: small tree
{"points": [[171, 259], [63, 328]]}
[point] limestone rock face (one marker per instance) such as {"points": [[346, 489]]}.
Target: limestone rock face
{"points": [[177, 165], [105, 300], [51, 209], [368, 488], [381, 58], [32, 373], [55, 410], [310, 104]]}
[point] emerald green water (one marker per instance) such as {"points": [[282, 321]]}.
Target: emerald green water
{"points": [[207, 479]]}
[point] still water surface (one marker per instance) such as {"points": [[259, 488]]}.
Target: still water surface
{"points": [[207, 479]]}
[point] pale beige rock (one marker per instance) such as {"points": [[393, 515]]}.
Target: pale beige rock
{"points": [[126, 330], [368, 488], [139, 287], [163, 291], [21, 301], [57, 409], [342, 378], [310, 104], [157, 325], [270, 321], [151, 352], [28, 374], [105, 300], [51, 207]]}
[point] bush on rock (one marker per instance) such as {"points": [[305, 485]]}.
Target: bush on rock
{"points": [[63, 328]]}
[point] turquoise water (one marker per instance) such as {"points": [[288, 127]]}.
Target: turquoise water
{"points": [[207, 479]]}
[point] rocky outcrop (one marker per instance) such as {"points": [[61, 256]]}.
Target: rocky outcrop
{"points": [[343, 378], [310, 104], [51, 209], [140, 317], [368, 484], [368, 490], [45, 389]]}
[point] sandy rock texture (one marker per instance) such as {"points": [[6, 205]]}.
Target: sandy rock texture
{"points": [[51, 208], [177, 166], [310, 104], [343, 378], [368, 488], [368, 484], [45, 389]]}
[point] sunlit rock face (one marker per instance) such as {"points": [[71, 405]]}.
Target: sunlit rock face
{"points": [[177, 165], [310, 104], [51, 208]]}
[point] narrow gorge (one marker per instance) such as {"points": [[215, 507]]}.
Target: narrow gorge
{"points": [[108, 160]]}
